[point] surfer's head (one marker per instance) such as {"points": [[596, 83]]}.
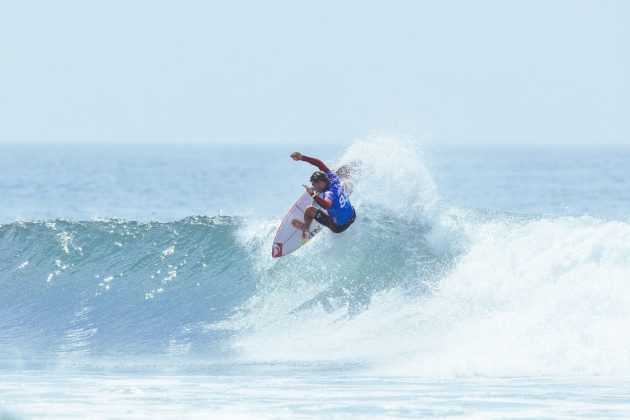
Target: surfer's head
{"points": [[320, 181]]}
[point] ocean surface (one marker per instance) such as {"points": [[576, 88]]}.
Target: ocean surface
{"points": [[136, 281]]}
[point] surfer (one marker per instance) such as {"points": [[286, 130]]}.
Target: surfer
{"points": [[337, 214]]}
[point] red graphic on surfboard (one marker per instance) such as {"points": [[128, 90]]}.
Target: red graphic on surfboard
{"points": [[277, 250]]}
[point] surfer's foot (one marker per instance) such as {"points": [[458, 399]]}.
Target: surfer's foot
{"points": [[302, 226], [299, 225]]}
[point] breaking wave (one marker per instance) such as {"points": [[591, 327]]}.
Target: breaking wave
{"points": [[413, 287]]}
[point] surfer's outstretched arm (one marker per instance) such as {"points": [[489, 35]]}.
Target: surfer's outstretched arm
{"points": [[313, 161], [324, 202]]}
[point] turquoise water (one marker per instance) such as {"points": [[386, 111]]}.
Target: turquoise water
{"points": [[476, 282]]}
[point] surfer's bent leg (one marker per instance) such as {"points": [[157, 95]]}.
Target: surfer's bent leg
{"points": [[309, 215], [313, 213], [323, 219]]}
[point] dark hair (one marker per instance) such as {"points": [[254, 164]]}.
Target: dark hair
{"points": [[320, 176]]}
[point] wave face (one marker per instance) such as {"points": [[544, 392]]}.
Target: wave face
{"points": [[413, 287], [116, 287]]}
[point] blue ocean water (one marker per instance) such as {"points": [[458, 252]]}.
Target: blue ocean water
{"points": [[486, 282]]}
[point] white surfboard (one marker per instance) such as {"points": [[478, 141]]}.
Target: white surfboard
{"points": [[289, 238]]}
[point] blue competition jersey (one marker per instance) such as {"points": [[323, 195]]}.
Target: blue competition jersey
{"points": [[341, 210]]}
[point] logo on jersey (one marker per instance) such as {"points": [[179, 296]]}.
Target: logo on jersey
{"points": [[277, 250], [343, 200]]}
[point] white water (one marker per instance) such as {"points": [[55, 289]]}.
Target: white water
{"points": [[515, 295]]}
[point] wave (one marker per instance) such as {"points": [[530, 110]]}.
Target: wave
{"points": [[529, 296], [117, 287], [413, 287]]}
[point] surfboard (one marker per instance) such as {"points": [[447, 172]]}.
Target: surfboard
{"points": [[288, 238]]}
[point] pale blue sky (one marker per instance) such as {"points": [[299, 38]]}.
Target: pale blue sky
{"points": [[297, 72]]}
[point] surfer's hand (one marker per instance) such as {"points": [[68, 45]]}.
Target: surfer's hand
{"points": [[309, 190], [296, 156]]}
